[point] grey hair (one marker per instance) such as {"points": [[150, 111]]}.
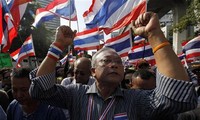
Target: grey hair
{"points": [[94, 57]]}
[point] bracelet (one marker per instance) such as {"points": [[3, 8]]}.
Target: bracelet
{"points": [[54, 51], [160, 46]]}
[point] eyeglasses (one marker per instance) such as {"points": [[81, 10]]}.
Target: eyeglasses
{"points": [[109, 61]]}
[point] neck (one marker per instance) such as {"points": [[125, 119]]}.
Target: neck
{"points": [[106, 90]]}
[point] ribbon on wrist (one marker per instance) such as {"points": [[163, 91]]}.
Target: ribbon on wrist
{"points": [[55, 51]]}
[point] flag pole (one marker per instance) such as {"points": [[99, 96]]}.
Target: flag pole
{"points": [[70, 13], [69, 22], [36, 62]]}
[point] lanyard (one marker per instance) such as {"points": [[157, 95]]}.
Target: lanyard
{"points": [[90, 105]]}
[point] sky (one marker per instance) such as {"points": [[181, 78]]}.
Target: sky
{"points": [[81, 7]]}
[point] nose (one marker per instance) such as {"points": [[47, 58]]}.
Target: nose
{"points": [[113, 65], [18, 94]]}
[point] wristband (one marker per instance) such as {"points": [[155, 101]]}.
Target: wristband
{"points": [[54, 51], [166, 43]]}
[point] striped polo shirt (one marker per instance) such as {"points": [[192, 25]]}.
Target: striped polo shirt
{"points": [[169, 97]]}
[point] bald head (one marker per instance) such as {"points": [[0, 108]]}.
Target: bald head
{"points": [[82, 70], [83, 60]]}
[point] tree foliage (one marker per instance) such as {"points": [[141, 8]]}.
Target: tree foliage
{"points": [[191, 18]]}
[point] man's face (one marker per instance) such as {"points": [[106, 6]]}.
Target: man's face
{"points": [[139, 83], [82, 73], [6, 79], [109, 68], [20, 89]]}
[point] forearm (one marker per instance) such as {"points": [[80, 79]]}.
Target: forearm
{"points": [[47, 66], [166, 60], [64, 37]]}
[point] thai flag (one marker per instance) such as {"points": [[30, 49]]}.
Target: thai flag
{"points": [[80, 53], [26, 50], [88, 39], [192, 49], [17, 9], [182, 58], [61, 8], [111, 15], [69, 57], [141, 51], [122, 43], [138, 40], [8, 31]]}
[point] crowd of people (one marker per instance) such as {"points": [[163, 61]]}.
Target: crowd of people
{"points": [[101, 87]]}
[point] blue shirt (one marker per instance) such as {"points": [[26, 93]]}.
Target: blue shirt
{"points": [[2, 114], [43, 112]]}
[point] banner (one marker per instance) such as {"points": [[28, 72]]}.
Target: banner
{"points": [[5, 60]]}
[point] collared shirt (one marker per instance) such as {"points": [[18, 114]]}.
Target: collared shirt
{"points": [[169, 97], [2, 114], [71, 80]]}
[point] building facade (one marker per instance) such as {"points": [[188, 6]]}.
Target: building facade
{"points": [[52, 24]]}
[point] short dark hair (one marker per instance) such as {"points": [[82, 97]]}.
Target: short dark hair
{"points": [[21, 72], [143, 74]]}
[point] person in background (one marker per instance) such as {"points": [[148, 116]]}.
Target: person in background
{"points": [[143, 79], [1, 78], [82, 73], [127, 78], [104, 99], [142, 64], [4, 100], [2, 114], [23, 107], [6, 83]]}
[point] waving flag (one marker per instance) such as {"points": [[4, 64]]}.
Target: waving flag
{"points": [[192, 49], [68, 57], [88, 39], [80, 53], [182, 56], [111, 15], [122, 43], [17, 9], [61, 8], [26, 50], [141, 51], [8, 31], [138, 40]]}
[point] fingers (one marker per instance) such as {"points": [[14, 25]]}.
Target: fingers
{"points": [[66, 31], [143, 19]]}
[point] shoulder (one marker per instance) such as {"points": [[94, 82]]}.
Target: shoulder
{"points": [[14, 107], [67, 81], [55, 113], [14, 103]]}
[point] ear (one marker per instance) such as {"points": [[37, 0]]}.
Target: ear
{"points": [[93, 72]]}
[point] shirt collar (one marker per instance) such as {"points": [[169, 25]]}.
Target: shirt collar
{"points": [[93, 89]]}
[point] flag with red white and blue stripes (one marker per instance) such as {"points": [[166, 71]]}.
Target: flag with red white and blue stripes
{"points": [[57, 8], [26, 50], [192, 49], [121, 44], [111, 15], [88, 39]]}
